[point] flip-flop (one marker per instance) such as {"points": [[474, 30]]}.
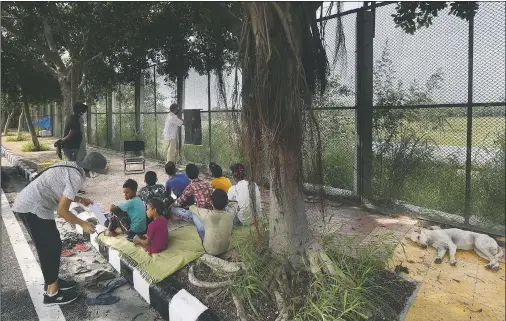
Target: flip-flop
{"points": [[82, 269], [112, 285], [103, 300], [66, 253], [81, 247]]}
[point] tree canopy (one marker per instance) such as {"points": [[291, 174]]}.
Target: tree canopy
{"points": [[413, 15], [76, 41]]}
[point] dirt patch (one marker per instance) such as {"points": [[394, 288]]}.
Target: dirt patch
{"points": [[398, 292], [396, 289], [222, 304]]}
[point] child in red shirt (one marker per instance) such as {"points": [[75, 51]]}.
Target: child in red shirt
{"points": [[157, 238]]}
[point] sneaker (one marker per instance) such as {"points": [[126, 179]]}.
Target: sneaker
{"points": [[60, 298], [64, 285]]}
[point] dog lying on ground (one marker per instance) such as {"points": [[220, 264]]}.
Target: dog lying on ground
{"points": [[453, 239]]}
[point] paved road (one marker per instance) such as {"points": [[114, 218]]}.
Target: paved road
{"points": [[19, 286]]}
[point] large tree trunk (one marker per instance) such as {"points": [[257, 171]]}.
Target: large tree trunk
{"points": [[35, 140], [20, 124], [70, 90], [8, 122], [67, 99], [289, 230]]}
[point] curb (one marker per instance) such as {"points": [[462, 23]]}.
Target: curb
{"points": [[20, 164], [167, 297]]}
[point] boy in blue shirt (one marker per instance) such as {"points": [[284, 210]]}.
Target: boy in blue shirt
{"points": [[177, 183], [130, 214]]}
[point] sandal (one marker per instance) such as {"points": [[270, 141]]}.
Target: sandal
{"points": [[81, 270], [111, 286], [81, 247], [103, 300], [66, 253]]}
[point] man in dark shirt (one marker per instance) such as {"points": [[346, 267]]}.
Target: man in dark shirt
{"points": [[72, 132]]}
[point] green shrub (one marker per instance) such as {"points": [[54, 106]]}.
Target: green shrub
{"points": [[29, 147], [16, 138], [359, 288]]}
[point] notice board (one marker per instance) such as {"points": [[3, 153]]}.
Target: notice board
{"points": [[193, 128]]}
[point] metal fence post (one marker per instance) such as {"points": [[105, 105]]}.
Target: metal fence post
{"points": [[364, 99], [88, 119], [180, 101], [108, 115], [467, 206], [89, 127], [137, 105], [156, 115], [209, 115]]}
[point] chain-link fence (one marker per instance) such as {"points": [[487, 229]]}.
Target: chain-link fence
{"points": [[435, 103]]}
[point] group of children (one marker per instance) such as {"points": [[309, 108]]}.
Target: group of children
{"points": [[214, 207]]}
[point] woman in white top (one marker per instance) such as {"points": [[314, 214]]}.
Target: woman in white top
{"points": [[239, 193]]}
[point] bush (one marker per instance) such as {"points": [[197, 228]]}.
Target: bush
{"points": [[29, 147], [359, 289], [15, 138]]}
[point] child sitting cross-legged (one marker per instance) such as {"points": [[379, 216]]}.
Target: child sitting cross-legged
{"points": [[130, 215], [214, 225], [157, 238], [219, 181], [152, 189], [201, 190]]}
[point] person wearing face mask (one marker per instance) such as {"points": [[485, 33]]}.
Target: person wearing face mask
{"points": [[172, 124], [54, 190]]}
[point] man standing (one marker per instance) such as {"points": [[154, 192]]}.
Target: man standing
{"points": [[172, 123], [54, 189], [73, 133]]}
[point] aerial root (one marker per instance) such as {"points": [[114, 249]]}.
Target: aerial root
{"points": [[204, 284]]}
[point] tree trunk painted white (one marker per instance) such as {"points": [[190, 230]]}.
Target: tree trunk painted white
{"points": [[8, 122], [20, 123], [288, 225]]}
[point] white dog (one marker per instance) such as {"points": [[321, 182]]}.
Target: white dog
{"points": [[453, 239]]}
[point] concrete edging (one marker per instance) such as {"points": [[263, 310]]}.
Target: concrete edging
{"points": [[167, 297]]}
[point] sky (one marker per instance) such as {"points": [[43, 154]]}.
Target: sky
{"points": [[443, 45]]}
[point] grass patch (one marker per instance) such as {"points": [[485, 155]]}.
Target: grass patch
{"points": [[251, 284], [29, 147], [16, 138], [361, 289], [8, 134]]}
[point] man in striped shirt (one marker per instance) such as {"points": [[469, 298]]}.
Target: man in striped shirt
{"points": [[54, 189]]}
